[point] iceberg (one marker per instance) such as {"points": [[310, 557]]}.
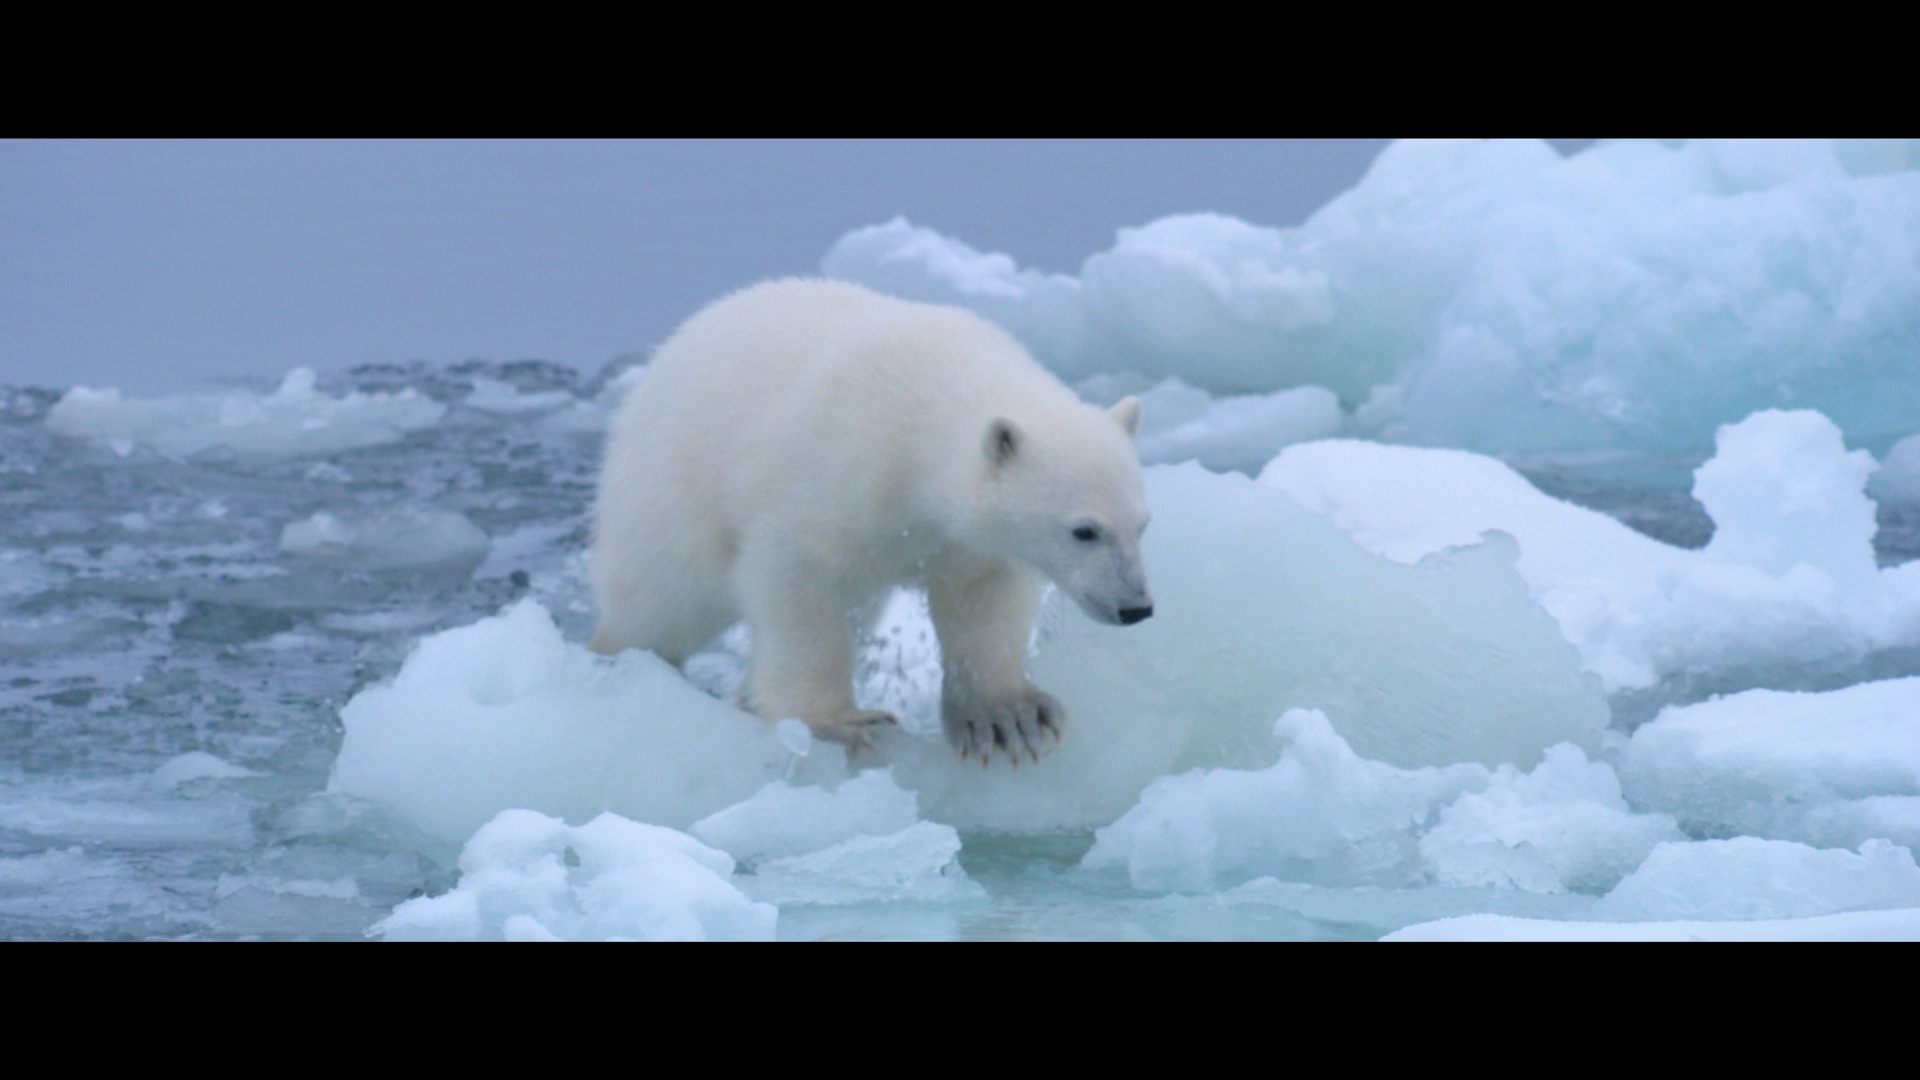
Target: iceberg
{"points": [[1494, 296]]}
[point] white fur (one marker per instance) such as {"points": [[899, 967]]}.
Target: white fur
{"points": [[800, 447]]}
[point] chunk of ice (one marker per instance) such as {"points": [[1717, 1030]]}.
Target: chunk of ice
{"points": [[196, 765], [1747, 877], [1320, 814], [1834, 768], [505, 713], [1240, 432], [918, 863], [1898, 480], [782, 820], [1787, 589], [1564, 826], [293, 420], [1491, 294], [392, 538], [526, 876]]}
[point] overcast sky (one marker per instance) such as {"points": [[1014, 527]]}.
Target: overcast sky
{"points": [[152, 265]]}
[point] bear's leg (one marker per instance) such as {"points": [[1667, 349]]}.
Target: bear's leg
{"points": [[983, 610], [802, 663], [671, 614]]}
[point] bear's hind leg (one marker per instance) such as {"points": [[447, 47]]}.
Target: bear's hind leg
{"points": [[673, 618], [802, 663], [983, 611]]}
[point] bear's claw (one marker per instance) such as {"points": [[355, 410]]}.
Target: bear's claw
{"points": [[1026, 724], [855, 730]]}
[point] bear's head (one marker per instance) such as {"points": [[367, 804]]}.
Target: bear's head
{"points": [[1064, 496]]}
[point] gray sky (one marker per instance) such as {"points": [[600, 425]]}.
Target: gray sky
{"points": [[153, 265]]}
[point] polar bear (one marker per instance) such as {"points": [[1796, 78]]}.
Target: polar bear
{"points": [[798, 448]]}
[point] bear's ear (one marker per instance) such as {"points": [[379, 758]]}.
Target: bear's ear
{"points": [[1002, 443], [1127, 414]]}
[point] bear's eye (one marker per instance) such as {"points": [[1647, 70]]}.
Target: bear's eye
{"points": [[1086, 534]]}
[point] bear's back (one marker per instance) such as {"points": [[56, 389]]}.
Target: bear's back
{"points": [[784, 367], [824, 403], [784, 339]]}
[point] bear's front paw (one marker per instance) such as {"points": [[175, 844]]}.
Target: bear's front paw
{"points": [[854, 730], [1028, 723]]}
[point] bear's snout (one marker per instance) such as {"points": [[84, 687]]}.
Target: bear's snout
{"points": [[1129, 616]]}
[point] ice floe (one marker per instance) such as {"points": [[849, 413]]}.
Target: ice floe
{"points": [[1495, 296], [1787, 589], [525, 876], [295, 419]]}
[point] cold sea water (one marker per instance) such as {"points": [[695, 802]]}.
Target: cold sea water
{"points": [[174, 667], [1534, 556]]}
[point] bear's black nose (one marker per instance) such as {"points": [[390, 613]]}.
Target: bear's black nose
{"points": [[1129, 616]]}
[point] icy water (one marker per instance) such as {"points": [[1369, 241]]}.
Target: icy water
{"points": [[173, 658], [150, 612]]}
